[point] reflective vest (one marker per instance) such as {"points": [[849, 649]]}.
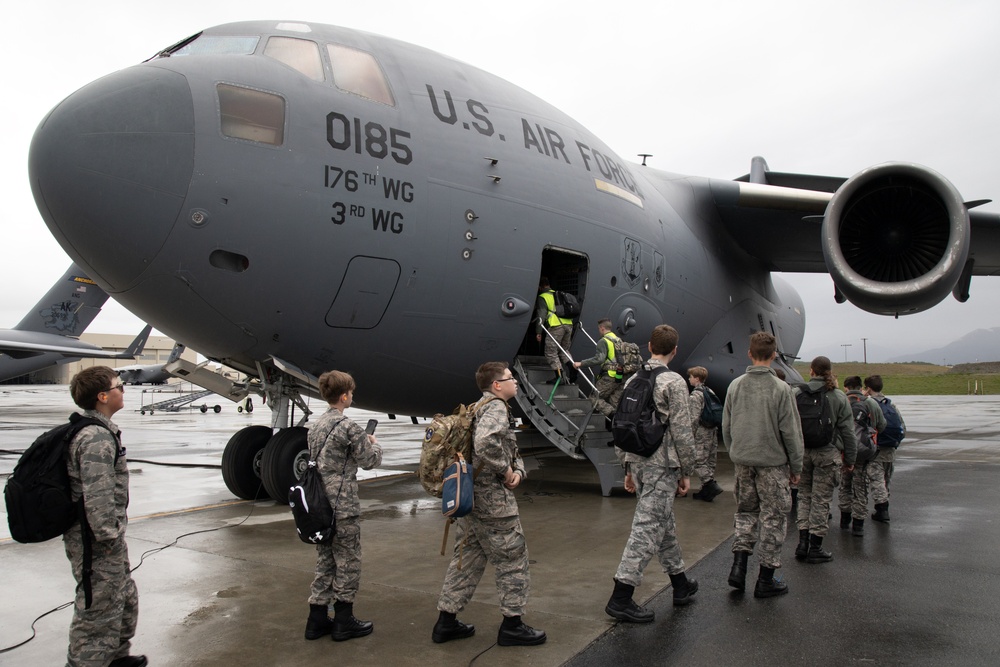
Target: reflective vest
{"points": [[554, 320], [610, 366]]}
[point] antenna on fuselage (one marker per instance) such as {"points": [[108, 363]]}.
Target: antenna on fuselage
{"points": [[644, 156]]}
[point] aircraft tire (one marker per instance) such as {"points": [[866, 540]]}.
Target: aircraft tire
{"points": [[285, 458], [203, 409], [217, 409], [242, 461]]}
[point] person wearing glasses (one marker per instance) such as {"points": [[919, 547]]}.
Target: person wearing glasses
{"points": [[492, 532], [105, 611]]}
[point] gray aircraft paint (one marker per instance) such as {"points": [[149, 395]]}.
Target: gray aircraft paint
{"points": [[275, 221]]}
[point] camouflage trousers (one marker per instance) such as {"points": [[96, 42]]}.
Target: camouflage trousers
{"points": [[609, 392], [763, 500], [501, 543], [853, 493], [561, 334], [103, 632], [879, 474], [338, 565], [819, 478], [706, 447], [654, 530]]}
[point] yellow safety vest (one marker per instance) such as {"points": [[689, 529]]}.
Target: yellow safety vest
{"points": [[550, 303], [609, 339]]}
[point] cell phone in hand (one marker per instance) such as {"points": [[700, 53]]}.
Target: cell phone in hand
{"points": [[370, 429]]}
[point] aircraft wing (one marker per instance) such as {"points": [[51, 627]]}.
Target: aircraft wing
{"points": [[782, 226], [895, 238], [21, 344]]}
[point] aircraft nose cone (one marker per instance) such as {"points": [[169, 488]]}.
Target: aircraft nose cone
{"points": [[110, 168]]}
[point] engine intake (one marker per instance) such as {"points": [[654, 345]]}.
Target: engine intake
{"points": [[896, 238]]}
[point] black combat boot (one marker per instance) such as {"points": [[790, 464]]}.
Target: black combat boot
{"points": [[803, 548], [816, 553], [738, 575], [513, 632], [881, 512], [622, 607], [845, 520], [709, 490], [556, 377], [684, 589], [858, 528], [318, 623], [571, 373], [345, 626], [448, 627], [130, 661], [767, 586]]}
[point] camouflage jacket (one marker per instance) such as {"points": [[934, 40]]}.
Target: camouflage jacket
{"points": [[94, 475], [494, 450], [342, 447], [671, 399]]}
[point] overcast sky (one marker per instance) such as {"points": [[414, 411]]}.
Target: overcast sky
{"points": [[814, 87]]}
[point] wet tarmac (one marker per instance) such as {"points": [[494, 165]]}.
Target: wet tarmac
{"points": [[233, 589]]}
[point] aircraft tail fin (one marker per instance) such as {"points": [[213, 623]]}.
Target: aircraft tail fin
{"points": [[68, 307], [136, 347], [176, 353]]}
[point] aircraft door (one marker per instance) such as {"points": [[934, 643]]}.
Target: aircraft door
{"points": [[567, 272], [364, 294]]}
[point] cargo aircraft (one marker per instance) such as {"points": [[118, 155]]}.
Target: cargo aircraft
{"points": [[290, 197], [49, 334]]}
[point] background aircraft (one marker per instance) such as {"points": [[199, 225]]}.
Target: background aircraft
{"points": [[299, 197], [47, 335], [150, 373]]}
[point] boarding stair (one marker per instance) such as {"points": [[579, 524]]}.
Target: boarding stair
{"points": [[175, 404], [563, 415]]}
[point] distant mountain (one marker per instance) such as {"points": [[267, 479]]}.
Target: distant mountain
{"points": [[979, 345]]}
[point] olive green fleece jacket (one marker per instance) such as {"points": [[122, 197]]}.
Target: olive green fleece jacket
{"points": [[843, 420], [760, 423]]}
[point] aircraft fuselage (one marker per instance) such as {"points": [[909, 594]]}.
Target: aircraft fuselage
{"points": [[394, 225]]}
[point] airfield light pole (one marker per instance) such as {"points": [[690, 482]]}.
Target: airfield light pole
{"points": [[845, 346], [864, 343]]}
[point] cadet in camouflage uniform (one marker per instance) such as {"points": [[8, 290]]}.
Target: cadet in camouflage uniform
{"points": [[339, 446], [880, 469], [656, 479], [706, 438], [492, 532], [609, 383], [560, 330], [853, 493], [820, 466], [762, 431], [100, 634]]}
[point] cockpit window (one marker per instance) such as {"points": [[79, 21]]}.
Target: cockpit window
{"points": [[251, 114], [299, 54], [359, 73], [218, 45]]}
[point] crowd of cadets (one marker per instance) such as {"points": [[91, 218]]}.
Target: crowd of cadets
{"points": [[761, 429]]}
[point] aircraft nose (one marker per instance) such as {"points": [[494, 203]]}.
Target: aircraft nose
{"points": [[110, 168]]}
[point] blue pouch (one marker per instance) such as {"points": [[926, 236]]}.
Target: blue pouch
{"points": [[456, 490]]}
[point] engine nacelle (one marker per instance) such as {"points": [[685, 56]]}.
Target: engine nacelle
{"points": [[896, 238]]}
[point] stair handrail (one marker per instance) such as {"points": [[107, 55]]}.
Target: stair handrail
{"points": [[565, 351]]}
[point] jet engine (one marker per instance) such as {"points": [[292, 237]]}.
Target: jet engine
{"points": [[896, 239]]}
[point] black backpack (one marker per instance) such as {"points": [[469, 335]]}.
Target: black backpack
{"points": [[636, 426], [39, 503], [315, 519], [864, 431], [816, 416], [567, 305], [895, 429], [711, 412]]}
